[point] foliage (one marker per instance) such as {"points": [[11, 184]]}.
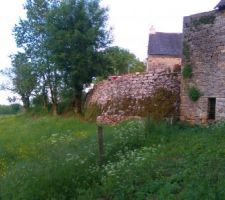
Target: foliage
{"points": [[120, 61], [31, 35], [23, 78], [187, 71], [10, 109], [59, 160], [161, 104], [194, 93], [64, 41], [77, 35], [186, 52], [203, 20]]}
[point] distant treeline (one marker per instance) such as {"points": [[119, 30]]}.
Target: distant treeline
{"points": [[10, 109]]}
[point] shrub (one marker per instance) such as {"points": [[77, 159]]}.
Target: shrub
{"points": [[187, 71], [194, 93], [10, 109]]}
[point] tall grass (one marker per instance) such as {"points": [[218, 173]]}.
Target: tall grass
{"points": [[57, 158]]}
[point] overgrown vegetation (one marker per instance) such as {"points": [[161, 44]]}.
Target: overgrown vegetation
{"points": [[187, 68], [210, 19], [10, 109], [162, 104], [187, 71], [56, 158], [194, 93], [186, 52]]}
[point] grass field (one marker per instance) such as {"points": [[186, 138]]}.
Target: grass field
{"points": [[56, 158]]}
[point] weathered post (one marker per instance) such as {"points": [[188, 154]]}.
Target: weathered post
{"points": [[100, 144]]}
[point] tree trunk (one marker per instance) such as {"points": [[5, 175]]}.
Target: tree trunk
{"points": [[78, 103], [54, 109], [26, 103]]}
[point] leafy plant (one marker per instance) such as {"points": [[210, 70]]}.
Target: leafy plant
{"points": [[187, 71], [194, 93]]}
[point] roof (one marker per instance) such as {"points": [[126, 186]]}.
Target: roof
{"points": [[165, 44], [221, 4]]}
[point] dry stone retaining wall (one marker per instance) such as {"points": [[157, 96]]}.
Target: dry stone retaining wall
{"points": [[128, 95]]}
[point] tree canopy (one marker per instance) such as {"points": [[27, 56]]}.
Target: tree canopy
{"points": [[120, 61], [64, 43]]}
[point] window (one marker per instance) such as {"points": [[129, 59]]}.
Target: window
{"points": [[211, 108]]}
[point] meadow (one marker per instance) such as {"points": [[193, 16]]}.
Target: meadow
{"points": [[56, 158]]}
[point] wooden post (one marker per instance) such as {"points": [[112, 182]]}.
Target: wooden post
{"points": [[100, 144]]}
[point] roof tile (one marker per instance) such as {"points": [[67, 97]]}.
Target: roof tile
{"points": [[165, 44]]}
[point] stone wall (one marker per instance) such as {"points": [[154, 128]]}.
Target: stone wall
{"points": [[204, 52], [157, 62], [129, 95]]}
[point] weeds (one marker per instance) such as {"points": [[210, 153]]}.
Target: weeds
{"points": [[56, 158]]}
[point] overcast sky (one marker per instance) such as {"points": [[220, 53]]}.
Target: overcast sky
{"points": [[130, 19]]}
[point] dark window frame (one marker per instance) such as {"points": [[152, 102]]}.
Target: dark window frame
{"points": [[211, 108]]}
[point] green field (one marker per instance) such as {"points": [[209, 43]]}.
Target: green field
{"points": [[56, 158]]}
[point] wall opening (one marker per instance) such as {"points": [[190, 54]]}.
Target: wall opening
{"points": [[211, 108]]}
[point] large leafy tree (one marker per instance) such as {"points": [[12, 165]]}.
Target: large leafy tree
{"points": [[120, 61], [77, 35], [64, 40], [23, 78], [31, 36]]}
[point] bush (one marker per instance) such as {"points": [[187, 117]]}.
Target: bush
{"points": [[10, 109], [194, 93], [187, 71]]}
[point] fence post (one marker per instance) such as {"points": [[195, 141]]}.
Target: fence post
{"points": [[100, 144]]}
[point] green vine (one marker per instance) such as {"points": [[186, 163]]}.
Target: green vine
{"points": [[194, 93], [186, 52], [187, 71]]}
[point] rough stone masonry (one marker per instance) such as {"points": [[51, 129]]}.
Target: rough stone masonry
{"points": [[204, 46], [126, 96]]}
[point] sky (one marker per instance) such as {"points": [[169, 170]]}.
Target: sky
{"points": [[130, 20]]}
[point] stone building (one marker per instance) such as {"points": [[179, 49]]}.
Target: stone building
{"points": [[164, 51], [203, 82]]}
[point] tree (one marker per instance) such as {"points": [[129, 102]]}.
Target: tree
{"points": [[120, 61], [23, 78], [77, 35], [31, 35]]}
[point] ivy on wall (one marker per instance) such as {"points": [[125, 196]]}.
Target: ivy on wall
{"points": [[187, 69], [210, 19], [193, 92]]}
